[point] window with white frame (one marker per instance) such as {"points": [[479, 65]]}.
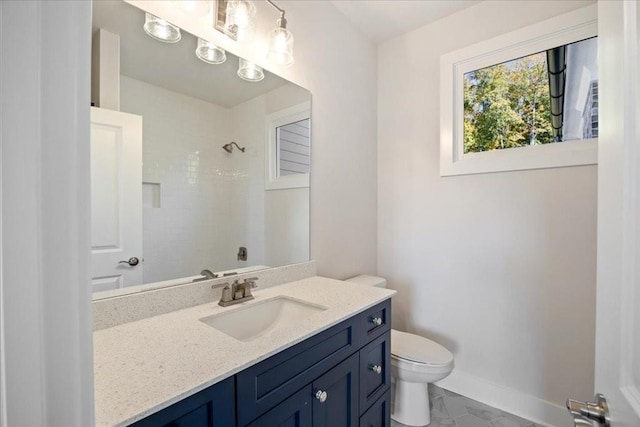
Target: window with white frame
{"points": [[289, 147], [524, 100]]}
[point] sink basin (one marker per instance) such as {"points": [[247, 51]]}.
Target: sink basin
{"points": [[256, 319]]}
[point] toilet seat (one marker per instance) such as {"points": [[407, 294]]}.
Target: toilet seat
{"points": [[414, 349]]}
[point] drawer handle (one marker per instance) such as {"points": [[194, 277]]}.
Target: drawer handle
{"points": [[376, 320], [321, 396], [376, 368]]}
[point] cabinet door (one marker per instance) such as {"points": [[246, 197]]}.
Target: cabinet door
{"points": [[212, 407], [293, 412], [339, 407]]}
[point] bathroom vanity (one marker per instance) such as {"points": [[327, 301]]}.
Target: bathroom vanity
{"points": [[330, 367]]}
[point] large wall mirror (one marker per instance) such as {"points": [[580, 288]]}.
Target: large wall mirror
{"points": [[195, 171]]}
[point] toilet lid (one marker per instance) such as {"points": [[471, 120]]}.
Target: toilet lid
{"points": [[418, 349]]}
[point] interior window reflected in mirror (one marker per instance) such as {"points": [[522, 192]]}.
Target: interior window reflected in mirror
{"points": [[294, 148], [544, 98], [289, 146], [178, 160]]}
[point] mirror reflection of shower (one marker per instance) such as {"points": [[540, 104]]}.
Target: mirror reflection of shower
{"points": [[229, 147]]}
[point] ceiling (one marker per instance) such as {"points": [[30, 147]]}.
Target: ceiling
{"points": [[175, 66], [382, 20]]}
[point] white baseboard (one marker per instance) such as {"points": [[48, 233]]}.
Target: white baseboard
{"points": [[507, 399]]}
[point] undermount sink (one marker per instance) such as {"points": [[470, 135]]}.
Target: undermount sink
{"points": [[256, 319]]}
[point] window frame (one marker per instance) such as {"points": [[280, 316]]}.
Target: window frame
{"points": [[281, 118], [563, 29]]}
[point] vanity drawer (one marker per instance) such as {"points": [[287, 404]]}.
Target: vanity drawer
{"points": [[264, 385], [375, 321], [375, 370], [379, 415]]}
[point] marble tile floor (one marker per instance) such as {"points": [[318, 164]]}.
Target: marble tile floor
{"points": [[449, 409]]}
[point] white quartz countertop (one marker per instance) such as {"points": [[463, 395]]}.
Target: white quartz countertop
{"points": [[144, 366]]}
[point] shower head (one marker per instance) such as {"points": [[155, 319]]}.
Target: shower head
{"points": [[229, 147]]}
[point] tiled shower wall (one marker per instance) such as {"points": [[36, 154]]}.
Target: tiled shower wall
{"points": [[203, 203], [202, 187]]}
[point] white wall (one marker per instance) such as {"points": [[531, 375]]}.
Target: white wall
{"points": [[338, 65], [286, 225], [500, 268]]}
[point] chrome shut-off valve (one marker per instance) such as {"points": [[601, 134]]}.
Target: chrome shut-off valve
{"points": [[586, 412]]}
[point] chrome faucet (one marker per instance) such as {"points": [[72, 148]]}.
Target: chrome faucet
{"points": [[208, 275], [239, 292]]}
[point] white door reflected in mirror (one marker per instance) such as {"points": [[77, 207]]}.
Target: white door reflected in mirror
{"points": [[116, 199]]}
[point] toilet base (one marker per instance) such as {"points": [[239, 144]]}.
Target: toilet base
{"points": [[411, 403]]}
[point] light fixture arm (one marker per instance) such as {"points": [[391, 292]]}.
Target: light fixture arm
{"points": [[282, 21]]}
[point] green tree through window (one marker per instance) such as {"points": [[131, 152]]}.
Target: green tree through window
{"points": [[507, 105]]}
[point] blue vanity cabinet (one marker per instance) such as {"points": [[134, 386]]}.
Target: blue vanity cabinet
{"points": [[337, 361], [337, 378], [212, 407]]}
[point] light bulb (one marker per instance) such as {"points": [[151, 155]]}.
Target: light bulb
{"points": [[240, 21], [280, 46], [160, 29], [210, 53], [249, 71]]}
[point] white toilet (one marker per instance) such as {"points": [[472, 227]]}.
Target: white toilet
{"points": [[415, 362]]}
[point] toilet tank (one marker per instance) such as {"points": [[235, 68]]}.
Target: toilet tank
{"points": [[378, 282]]}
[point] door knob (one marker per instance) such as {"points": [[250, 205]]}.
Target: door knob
{"points": [[133, 261], [595, 411], [321, 396]]}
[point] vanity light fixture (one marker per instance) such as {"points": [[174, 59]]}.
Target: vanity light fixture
{"points": [[236, 19], [280, 41], [160, 29], [210, 53], [240, 20], [249, 71]]}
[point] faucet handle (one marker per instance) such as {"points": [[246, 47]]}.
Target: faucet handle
{"points": [[251, 281], [219, 285], [226, 293], [248, 284]]}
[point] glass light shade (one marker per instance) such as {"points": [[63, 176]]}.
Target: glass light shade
{"points": [[210, 53], [160, 29], [249, 71], [240, 23], [280, 46]]}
